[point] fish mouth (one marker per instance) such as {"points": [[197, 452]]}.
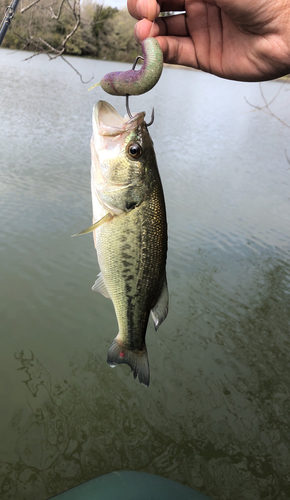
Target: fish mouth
{"points": [[108, 121]]}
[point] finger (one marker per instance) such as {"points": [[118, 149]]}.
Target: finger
{"points": [[150, 9], [140, 9], [179, 5], [171, 5], [144, 28], [178, 50], [170, 25]]}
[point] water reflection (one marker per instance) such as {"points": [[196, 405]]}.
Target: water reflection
{"points": [[216, 415], [230, 437]]}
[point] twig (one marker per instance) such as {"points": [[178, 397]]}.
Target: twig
{"points": [[59, 10], [272, 100], [77, 15], [42, 46], [266, 109], [78, 20], [77, 72], [33, 40], [29, 6]]}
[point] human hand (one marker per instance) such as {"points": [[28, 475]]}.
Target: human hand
{"points": [[246, 40]]}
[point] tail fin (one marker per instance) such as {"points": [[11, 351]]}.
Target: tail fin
{"points": [[137, 360]]}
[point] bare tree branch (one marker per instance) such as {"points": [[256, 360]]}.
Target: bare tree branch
{"points": [[49, 27], [42, 45], [267, 104], [35, 41], [79, 74], [77, 15], [266, 108], [29, 6], [59, 11], [76, 10]]}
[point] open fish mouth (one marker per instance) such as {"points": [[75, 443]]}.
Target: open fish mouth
{"points": [[108, 121]]}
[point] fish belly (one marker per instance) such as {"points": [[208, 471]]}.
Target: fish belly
{"points": [[131, 252]]}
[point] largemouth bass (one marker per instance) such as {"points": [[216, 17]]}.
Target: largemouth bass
{"points": [[130, 231]]}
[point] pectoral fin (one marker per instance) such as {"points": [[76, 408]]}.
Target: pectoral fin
{"points": [[94, 226], [160, 310]]}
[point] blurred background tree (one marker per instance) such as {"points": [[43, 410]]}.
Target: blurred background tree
{"points": [[70, 27]]}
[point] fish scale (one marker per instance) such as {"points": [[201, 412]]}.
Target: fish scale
{"points": [[130, 232], [131, 264]]}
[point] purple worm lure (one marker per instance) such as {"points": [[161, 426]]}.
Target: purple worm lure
{"points": [[132, 82]]}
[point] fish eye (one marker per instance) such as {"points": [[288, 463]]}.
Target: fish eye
{"points": [[134, 150]]}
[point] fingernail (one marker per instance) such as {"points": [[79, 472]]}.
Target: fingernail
{"points": [[140, 9], [148, 9]]}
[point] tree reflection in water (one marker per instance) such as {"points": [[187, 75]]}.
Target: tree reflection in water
{"points": [[221, 426], [61, 440]]}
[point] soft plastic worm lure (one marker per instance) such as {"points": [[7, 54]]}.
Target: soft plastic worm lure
{"points": [[132, 82]]}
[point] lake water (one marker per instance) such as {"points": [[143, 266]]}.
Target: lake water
{"points": [[216, 416]]}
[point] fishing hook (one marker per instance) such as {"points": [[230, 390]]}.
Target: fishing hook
{"points": [[127, 97], [136, 60], [127, 106]]}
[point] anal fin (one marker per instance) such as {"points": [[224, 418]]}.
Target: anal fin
{"points": [[100, 286], [160, 310]]}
